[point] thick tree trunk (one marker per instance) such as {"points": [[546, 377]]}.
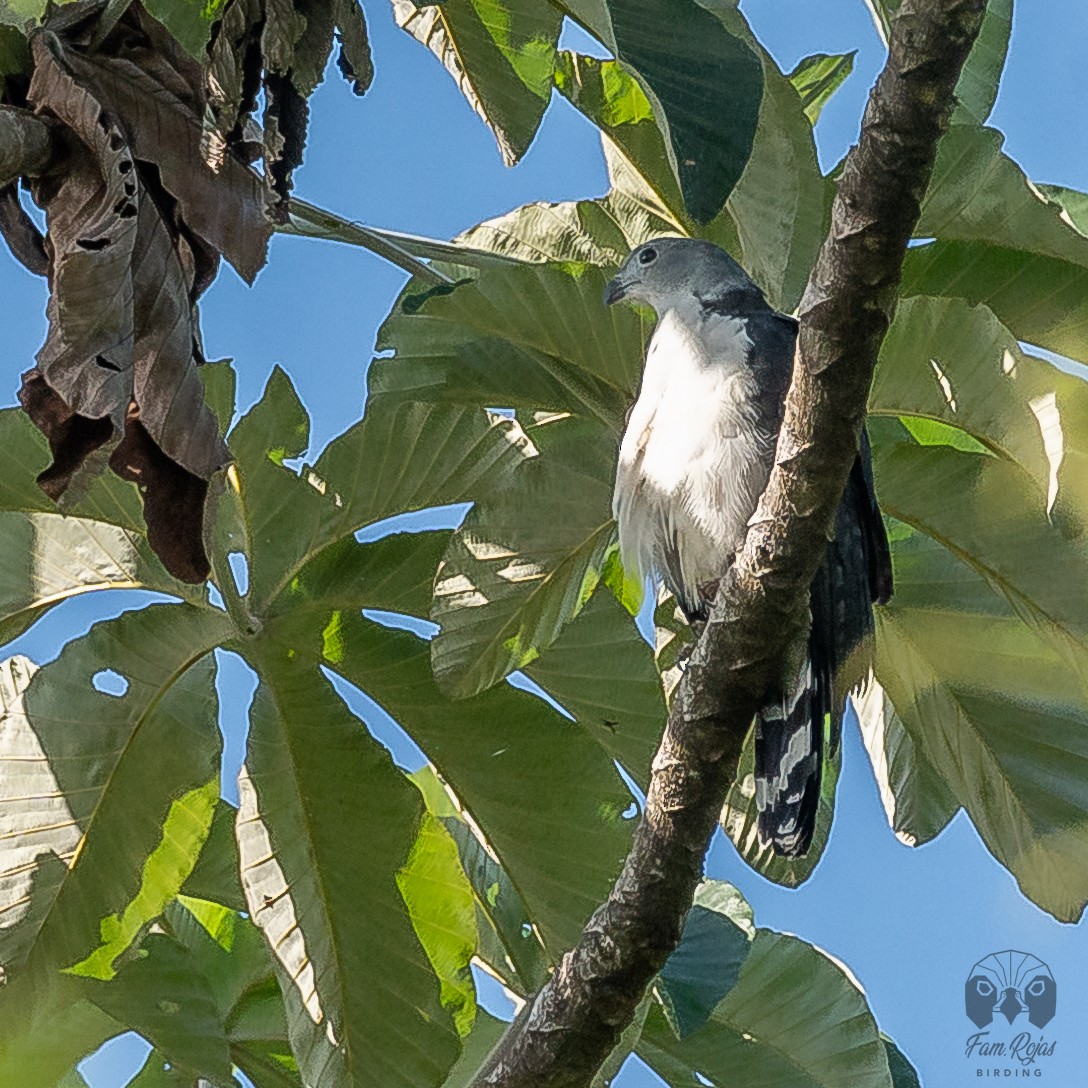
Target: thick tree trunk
{"points": [[566, 1032]]}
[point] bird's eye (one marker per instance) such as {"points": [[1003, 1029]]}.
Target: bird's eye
{"points": [[647, 256]]}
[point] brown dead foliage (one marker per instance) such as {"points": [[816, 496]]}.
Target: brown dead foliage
{"points": [[150, 185], [136, 224]]}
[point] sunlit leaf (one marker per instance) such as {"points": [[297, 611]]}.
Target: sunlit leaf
{"points": [[316, 785], [501, 54], [976, 89], [818, 77], [526, 559], [794, 1019], [109, 823]]}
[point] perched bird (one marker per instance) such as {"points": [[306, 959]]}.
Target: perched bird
{"points": [[694, 460]]}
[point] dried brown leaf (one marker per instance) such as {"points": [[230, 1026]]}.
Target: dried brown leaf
{"points": [[283, 26], [225, 207], [355, 61], [117, 375]]}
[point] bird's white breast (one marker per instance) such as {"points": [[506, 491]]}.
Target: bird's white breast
{"points": [[693, 460]]}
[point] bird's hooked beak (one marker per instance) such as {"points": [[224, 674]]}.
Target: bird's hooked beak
{"points": [[616, 289]]}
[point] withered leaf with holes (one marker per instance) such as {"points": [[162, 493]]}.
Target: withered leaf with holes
{"points": [[136, 223]]}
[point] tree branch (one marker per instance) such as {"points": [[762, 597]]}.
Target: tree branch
{"points": [[569, 1028], [28, 145]]}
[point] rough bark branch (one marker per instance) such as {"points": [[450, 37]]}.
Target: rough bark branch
{"points": [[28, 145], [566, 1032]]}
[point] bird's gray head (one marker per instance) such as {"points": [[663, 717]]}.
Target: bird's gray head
{"points": [[666, 271]]}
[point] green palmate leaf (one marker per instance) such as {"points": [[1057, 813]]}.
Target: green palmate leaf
{"points": [[708, 108], [487, 1031], [157, 1072], [508, 944], [56, 556], [706, 964], [526, 559], [392, 574], [189, 21], [955, 364], [501, 54], [1002, 243], [607, 93], [772, 222], [982, 745], [598, 232], [602, 672], [794, 1019], [778, 208], [315, 785], [976, 90], [183, 832], [228, 952], [1042, 300], [443, 912], [118, 808], [566, 324], [162, 996], [818, 77], [529, 555], [46, 1031], [981, 652], [20, 12], [986, 512], [214, 877], [546, 798], [366, 475], [977, 193], [162, 993]]}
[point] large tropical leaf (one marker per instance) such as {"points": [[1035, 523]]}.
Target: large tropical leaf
{"points": [[332, 917], [794, 1019], [501, 54], [110, 816], [773, 221], [979, 658], [708, 107], [603, 673], [505, 588], [998, 240], [100, 543], [545, 796], [976, 89], [733, 997]]}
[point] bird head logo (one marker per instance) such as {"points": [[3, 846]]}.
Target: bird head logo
{"points": [[1010, 984]]}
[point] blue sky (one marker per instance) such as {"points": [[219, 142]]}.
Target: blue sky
{"points": [[412, 156]]}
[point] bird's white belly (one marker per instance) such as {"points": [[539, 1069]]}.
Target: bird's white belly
{"points": [[692, 466]]}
